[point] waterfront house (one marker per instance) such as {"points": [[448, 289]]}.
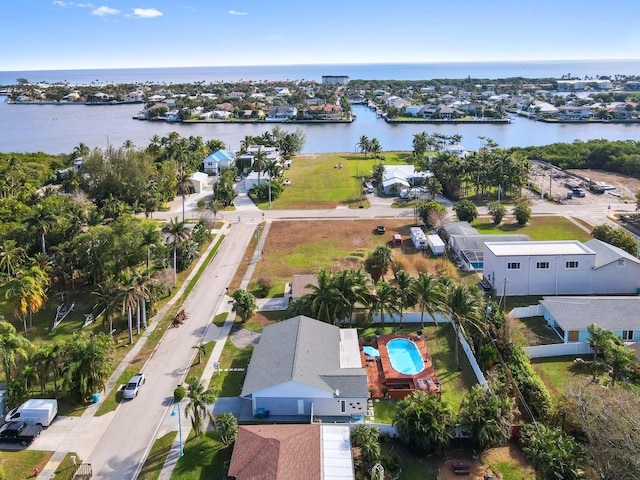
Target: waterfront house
{"points": [[570, 317], [397, 177], [281, 114], [303, 452], [217, 160], [305, 368], [565, 267], [572, 112], [323, 112]]}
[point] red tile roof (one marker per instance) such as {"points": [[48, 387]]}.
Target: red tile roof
{"points": [[277, 452]]}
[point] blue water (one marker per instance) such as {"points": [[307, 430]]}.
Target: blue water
{"points": [[381, 71], [405, 356], [372, 352]]}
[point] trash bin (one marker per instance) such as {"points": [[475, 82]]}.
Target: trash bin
{"points": [[267, 413], [96, 397]]}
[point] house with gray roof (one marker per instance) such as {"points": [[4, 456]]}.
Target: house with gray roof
{"points": [[571, 316], [304, 367]]}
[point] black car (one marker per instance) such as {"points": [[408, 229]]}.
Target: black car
{"points": [[19, 432], [380, 229]]}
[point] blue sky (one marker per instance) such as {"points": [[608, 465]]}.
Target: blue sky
{"points": [[64, 34]]}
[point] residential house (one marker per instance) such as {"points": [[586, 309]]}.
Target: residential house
{"points": [[217, 160], [397, 177], [305, 368], [572, 112], [236, 95], [282, 91], [543, 108], [301, 452], [133, 97], [561, 268], [323, 112], [457, 150], [281, 114], [570, 317]]}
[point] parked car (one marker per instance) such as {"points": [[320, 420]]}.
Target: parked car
{"points": [[35, 411], [19, 432], [132, 388], [380, 229], [579, 192]]}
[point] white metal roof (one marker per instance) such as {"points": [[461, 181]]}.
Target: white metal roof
{"points": [[349, 349], [337, 463], [569, 247]]}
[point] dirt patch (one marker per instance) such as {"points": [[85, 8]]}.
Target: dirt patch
{"points": [[303, 247], [509, 457]]}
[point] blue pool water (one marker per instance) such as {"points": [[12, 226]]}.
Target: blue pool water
{"points": [[405, 356], [372, 352]]}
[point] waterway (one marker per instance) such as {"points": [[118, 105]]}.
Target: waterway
{"points": [[59, 128]]}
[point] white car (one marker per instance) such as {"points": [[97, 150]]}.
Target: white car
{"points": [[132, 388]]}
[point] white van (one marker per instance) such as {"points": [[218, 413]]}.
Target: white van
{"points": [[37, 411]]}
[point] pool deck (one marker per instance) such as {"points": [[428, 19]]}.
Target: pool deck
{"points": [[381, 374]]}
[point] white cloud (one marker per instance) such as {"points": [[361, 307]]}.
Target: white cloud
{"points": [[233, 12], [63, 4], [146, 12], [101, 11]]}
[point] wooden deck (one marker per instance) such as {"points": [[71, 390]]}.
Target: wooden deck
{"points": [[381, 374]]}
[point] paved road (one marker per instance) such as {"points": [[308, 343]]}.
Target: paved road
{"points": [[123, 446]]}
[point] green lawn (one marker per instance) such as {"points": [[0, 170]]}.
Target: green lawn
{"points": [[157, 456], [230, 383], [539, 228], [316, 183], [558, 372], [205, 457], [19, 464]]}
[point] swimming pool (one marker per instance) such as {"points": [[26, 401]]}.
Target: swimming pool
{"points": [[405, 356]]}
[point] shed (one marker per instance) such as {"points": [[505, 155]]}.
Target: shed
{"points": [[199, 181]]}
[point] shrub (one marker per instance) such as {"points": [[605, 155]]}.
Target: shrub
{"points": [[179, 393], [264, 286], [466, 211], [522, 212], [497, 212]]}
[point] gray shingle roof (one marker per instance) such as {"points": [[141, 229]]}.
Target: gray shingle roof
{"points": [[303, 350], [606, 253], [611, 313]]}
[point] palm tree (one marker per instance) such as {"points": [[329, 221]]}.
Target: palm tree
{"points": [[178, 234], [386, 299], [108, 294], [407, 297], [374, 147], [325, 300], [132, 292], [259, 160], [10, 256], [215, 206], [87, 363], [430, 295], [198, 407], [183, 187], [29, 296], [464, 305], [150, 238], [353, 288], [363, 145], [201, 350], [244, 304], [228, 427], [42, 219], [13, 349], [434, 187], [382, 257]]}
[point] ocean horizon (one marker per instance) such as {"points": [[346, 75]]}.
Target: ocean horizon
{"points": [[365, 71]]}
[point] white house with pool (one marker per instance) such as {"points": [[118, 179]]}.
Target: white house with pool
{"points": [[306, 368]]}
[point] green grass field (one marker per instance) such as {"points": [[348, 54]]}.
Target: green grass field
{"points": [[539, 228], [316, 183]]}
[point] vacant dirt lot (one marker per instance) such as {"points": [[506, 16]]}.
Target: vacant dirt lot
{"points": [[299, 247], [624, 193]]}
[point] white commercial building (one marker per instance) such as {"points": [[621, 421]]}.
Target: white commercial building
{"points": [[560, 268]]}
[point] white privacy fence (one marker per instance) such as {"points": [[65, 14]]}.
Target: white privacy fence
{"points": [[524, 312], [558, 349]]}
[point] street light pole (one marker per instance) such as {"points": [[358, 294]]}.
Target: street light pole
{"points": [[173, 414]]}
